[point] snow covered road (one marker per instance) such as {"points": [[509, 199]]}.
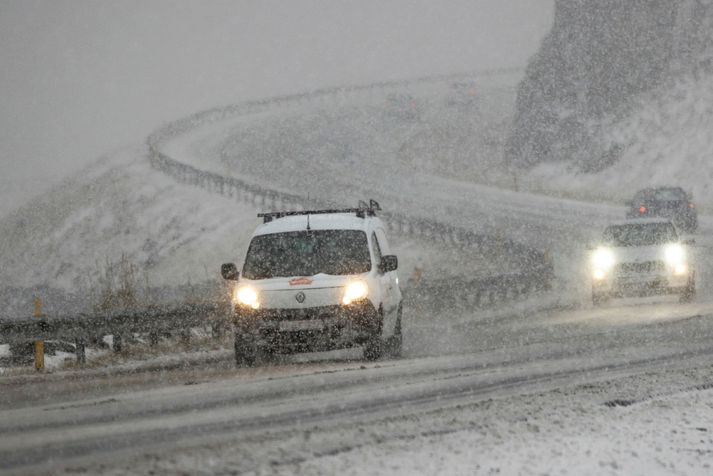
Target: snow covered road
{"points": [[246, 418]]}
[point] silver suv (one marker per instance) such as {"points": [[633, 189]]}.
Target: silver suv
{"points": [[642, 257]]}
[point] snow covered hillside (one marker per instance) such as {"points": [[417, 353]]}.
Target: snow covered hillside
{"points": [[121, 207]]}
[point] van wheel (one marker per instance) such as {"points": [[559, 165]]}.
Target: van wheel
{"points": [[689, 292], [245, 351], [396, 341], [373, 348], [264, 354], [599, 298]]}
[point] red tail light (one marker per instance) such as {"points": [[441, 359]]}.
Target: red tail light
{"points": [[642, 209], [691, 205]]}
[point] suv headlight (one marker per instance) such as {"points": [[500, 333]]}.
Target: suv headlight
{"points": [[246, 296], [675, 254], [355, 291], [602, 261]]}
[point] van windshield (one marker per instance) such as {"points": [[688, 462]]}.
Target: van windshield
{"points": [[306, 253]]}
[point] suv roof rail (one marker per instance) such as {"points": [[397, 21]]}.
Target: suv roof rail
{"points": [[362, 211]]}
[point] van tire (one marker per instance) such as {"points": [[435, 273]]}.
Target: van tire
{"points": [[599, 298], [396, 341], [689, 292], [245, 351], [373, 348]]}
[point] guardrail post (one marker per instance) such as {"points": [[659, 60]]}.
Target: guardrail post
{"points": [[117, 343], [185, 336], [39, 344], [153, 338], [81, 351], [217, 328]]}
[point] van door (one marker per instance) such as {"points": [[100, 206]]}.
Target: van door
{"points": [[388, 283]]}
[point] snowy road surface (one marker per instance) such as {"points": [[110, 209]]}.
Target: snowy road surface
{"points": [[293, 416]]}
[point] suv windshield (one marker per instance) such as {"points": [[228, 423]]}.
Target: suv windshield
{"points": [[644, 234], [306, 253]]}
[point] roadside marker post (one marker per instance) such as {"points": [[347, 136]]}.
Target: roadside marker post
{"points": [[39, 344]]}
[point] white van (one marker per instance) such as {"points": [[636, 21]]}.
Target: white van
{"points": [[317, 280]]}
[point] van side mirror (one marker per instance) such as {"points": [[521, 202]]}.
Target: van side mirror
{"points": [[229, 271], [388, 263]]}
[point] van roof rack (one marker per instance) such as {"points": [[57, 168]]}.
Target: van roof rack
{"points": [[363, 210]]}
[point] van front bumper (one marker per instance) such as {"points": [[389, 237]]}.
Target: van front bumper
{"points": [[309, 329]]}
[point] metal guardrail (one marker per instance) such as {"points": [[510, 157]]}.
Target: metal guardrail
{"points": [[426, 296], [481, 293], [415, 227], [84, 328]]}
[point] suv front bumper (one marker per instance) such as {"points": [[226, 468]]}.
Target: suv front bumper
{"points": [[642, 284]]}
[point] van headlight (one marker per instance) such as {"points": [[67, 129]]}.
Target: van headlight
{"points": [[603, 261], [246, 296], [675, 255], [680, 269], [355, 291]]}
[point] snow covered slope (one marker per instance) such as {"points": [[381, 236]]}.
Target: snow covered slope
{"points": [[121, 207]]}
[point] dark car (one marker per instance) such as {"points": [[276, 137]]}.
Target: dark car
{"points": [[665, 202], [462, 95], [402, 106]]}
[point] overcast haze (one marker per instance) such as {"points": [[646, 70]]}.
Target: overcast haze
{"points": [[81, 78]]}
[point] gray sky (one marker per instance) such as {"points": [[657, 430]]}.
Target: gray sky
{"points": [[80, 78]]}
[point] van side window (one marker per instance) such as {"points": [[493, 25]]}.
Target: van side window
{"points": [[383, 243], [376, 249]]}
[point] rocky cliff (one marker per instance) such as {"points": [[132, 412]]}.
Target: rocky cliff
{"points": [[600, 61]]}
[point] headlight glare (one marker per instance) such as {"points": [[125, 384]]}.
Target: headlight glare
{"points": [[680, 269], [354, 291], [603, 259], [675, 255], [247, 296]]}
